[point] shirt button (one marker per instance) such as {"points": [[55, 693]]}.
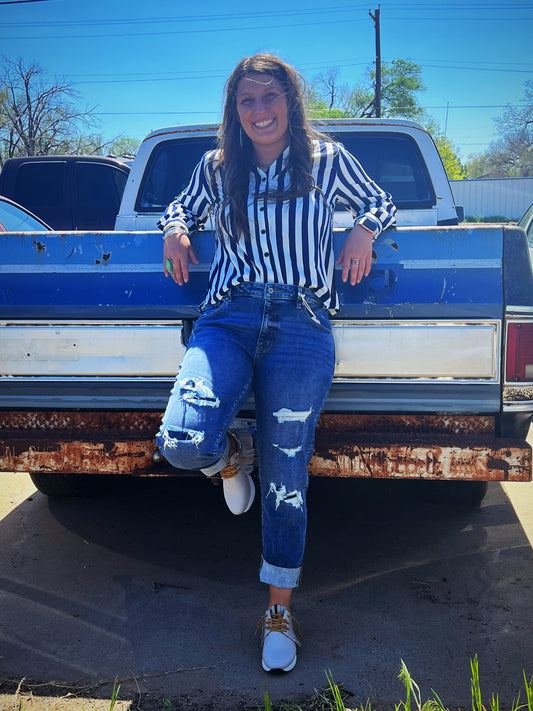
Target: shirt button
{"points": [[263, 180], [266, 254], [263, 232], [261, 209]]}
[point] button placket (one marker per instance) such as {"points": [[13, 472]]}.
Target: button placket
{"points": [[262, 218]]}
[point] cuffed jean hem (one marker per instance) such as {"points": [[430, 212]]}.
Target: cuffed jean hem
{"points": [[279, 577]]}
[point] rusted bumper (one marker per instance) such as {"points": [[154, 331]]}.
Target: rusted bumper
{"points": [[370, 446]]}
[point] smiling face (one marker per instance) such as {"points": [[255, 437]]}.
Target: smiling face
{"points": [[263, 114]]}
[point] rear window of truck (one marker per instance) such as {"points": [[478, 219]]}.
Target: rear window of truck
{"points": [[395, 163], [169, 170], [393, 160]]}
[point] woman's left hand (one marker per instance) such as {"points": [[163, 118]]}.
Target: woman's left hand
{"points": [[356, 255]]}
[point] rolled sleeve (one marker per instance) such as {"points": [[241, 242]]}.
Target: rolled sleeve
{"points": [[371, 206], [190, 210]]}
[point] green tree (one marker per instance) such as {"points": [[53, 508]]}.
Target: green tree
{"points": [[400, 83], [477, 166], [124, 146], [454, 169], [452, 164]]}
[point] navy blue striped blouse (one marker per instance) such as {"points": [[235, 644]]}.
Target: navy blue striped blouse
{"points": [[291, 241]]}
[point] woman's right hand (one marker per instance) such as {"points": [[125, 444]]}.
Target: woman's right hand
{"points": [[176, 255]]}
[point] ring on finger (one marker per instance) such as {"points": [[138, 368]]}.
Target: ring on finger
{"points": [[354, 262], [169, 264]]}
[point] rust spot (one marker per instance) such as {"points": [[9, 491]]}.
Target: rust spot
{"points": [[423, 424], [90, 421], [399, 456], [40, 245], [369, 446], [105, 258], [518, 393]]}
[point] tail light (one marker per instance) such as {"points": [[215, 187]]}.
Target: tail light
{"points": [[519, 355]]}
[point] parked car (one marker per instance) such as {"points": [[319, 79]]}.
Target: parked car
{"points": [[68, 192], [15, 218]]}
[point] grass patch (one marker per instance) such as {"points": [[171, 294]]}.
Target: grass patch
{"points": [[332, 697]]}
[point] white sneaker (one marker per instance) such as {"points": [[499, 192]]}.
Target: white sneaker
{"points": [[279, 639], [238, 485]]}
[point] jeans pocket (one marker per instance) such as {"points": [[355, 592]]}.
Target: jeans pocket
{"points": [[316, 313], [211, 310]]}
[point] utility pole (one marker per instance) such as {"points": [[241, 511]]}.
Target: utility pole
{"points": [[377, 96]]}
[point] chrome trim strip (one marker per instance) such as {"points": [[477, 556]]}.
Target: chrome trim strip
{"points": [[418, 351], [366, 351], [113, 349], [518, 407], [511, 311]]}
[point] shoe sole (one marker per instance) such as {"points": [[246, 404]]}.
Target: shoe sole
{"points": [[252, 495], [288, 668]]}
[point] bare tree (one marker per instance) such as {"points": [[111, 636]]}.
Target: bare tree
{"points": [[512, 154], [37, 117], [328, 86]]}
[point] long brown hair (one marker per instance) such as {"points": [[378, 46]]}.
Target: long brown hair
{"points": [[236, 149]]}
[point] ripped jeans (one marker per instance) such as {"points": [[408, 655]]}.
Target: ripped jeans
{"points": [[273, 341]]}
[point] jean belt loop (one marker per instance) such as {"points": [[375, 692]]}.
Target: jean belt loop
{"points": [[299, 298]]}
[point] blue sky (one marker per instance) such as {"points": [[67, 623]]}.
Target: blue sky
{"points": [[143, 65]]}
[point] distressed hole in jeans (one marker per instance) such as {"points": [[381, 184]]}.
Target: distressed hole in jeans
{"points": [[196, 392], [292, 498], [289, 451], [287, 415], [173, 436]]}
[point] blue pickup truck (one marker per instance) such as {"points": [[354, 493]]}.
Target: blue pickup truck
{"points": [[434, 350]]}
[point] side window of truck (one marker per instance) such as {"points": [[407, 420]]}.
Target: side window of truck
{"points": [[41, 185], [169, 170], [393, 160], [100, 185]]}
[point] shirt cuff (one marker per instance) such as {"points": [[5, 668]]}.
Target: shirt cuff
{"points": [[174, 227], [371, 224]]}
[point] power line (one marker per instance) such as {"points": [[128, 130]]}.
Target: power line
{"points": [[204, 30], [216, 113], [520, 5], [181, 18], [19, 2], [285, 25]]}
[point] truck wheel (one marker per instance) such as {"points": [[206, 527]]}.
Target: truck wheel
{"points": [[470, 493], [57, 484]]}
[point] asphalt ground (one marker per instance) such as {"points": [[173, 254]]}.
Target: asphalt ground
{"points": [[156, 584]]}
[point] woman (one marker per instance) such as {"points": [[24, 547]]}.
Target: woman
{"points": [[264, 327]]}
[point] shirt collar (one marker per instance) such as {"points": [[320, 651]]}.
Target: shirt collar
{"points": [[278, 165]]}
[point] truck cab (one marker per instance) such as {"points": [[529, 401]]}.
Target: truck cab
{"points": [[399, 155]]}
